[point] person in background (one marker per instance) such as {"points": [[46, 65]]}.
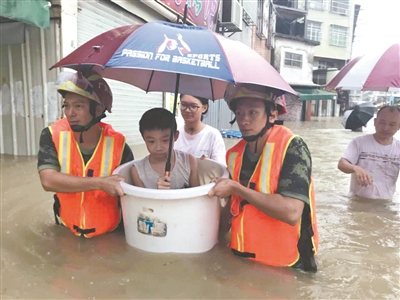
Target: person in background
{"points": [[272, 193], [149, 172], [195, 137], [342, 100], [373, 160], [78, 154]]}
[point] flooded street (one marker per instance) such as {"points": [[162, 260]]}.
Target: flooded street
{"points": [[359, 254]]}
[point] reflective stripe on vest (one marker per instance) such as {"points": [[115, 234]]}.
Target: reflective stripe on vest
{"points": [[93, 212], [65, 154], [65, 146], [108, 152], [255, 234]]}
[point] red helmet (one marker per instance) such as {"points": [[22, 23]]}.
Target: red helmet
{"points": [[88, 84]]}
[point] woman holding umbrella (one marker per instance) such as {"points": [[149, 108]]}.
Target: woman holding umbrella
{"points": [[195, 137]]}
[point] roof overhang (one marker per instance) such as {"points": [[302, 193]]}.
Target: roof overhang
{"points": [[308, 93], [297, 38]]}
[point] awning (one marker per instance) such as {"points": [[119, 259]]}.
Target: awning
{"points": [[34, 12], [307, 94]]}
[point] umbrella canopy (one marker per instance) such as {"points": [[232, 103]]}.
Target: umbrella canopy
{"points": [[334, 83], [148, 56], [358, 116], [167, 57], [372, 72]]}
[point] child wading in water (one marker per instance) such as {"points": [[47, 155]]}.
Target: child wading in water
{"points": [[149, 172]]}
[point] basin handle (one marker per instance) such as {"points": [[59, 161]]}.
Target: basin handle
{"points": [[222, 201]]}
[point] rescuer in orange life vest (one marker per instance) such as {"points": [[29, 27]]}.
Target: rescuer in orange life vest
{"points": [[78, 154], [272, 193]]}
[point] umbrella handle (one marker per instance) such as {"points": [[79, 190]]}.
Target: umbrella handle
{"points": [[171, 136]]}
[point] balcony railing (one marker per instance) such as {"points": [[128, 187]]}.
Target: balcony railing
{"points": [[296, 4], [249, 11]]}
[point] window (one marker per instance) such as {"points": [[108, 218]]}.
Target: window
{"points": [[293, 60], [316, 4], [340, 7], [324, 64], [260, 18], [319, 78], [338, 36], [314, 31]]}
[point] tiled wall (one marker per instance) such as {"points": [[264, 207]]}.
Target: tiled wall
{"points": [[293, 107]]}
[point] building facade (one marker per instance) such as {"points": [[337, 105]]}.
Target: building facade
{"points": [[332, 24], [29, 101], [325, 28], [246, 21], [281, 31]]}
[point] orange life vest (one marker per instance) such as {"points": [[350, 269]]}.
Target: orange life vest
{"points": [[94, 212], [256, 235]]}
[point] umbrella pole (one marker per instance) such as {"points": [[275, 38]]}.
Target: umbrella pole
{"points": [[171, 136], [185, 14]]}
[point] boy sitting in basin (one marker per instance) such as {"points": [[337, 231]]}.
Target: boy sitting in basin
{"points": [[155, 127]]}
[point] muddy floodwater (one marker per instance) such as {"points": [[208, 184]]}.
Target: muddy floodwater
{"points": [[359, 255]]}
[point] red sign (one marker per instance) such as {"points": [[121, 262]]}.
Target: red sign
{"points": [[200, 12]]}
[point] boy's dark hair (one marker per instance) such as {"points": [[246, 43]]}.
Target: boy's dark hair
{"points": [[157, 119]]}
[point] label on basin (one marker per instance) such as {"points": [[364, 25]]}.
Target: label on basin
{"points": [[151, 224]]}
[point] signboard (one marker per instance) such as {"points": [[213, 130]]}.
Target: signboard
{"points": [[200, 12], [33, 12]]}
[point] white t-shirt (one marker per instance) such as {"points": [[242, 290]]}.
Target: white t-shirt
{"points": [[381, 161], [208, 141]]}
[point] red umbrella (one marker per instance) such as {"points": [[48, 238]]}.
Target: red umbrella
{"points": [[371, 72], [339, 76]]}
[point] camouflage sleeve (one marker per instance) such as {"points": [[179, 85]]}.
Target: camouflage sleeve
{"points": [[47, 155], [127, 154], [295, 177]]}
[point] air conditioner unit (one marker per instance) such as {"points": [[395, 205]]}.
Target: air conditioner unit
{"points": [[237, 14], [232, 16]]}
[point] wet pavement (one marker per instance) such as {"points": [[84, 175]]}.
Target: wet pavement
{"points": [[359, 253]]}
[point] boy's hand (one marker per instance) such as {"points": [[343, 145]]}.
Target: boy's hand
{"points": [[164, 183]]}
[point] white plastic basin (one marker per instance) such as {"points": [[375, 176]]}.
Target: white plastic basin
{"points": [[181, 221]]}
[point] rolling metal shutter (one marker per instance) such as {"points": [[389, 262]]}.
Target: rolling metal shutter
{"points": [[94, 18]]}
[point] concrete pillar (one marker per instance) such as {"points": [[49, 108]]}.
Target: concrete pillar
{"points": [[69, 26], [308, 110]]}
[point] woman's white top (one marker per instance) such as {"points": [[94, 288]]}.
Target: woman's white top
{"points": [[208, 142]]}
